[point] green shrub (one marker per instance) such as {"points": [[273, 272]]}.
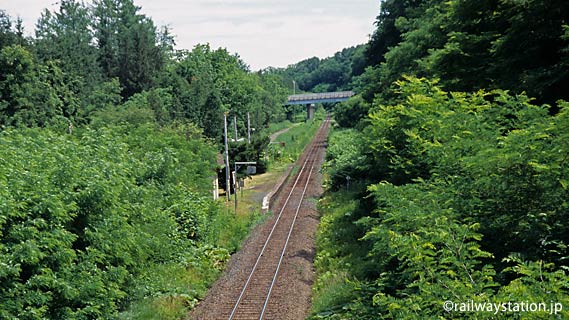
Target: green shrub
{"points": [[86, 219], [345, 157], [471, 206]]}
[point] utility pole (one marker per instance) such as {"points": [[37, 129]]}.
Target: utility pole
{"points": [[235, 183], [227, 185], [248, 128], [293, 87], [236, 164], [235, 125]]}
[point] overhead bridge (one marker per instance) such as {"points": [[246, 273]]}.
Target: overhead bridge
{"points": [[309, 98]]}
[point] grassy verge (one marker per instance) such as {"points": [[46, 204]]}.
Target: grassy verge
{"points": [[341, 256], [275, 127], [334, 286], [289, 145], [181, 284]]}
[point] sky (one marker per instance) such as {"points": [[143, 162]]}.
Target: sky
{"points": [[264, 33]]}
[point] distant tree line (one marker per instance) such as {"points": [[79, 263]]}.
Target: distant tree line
{"points": [[333, 73]]}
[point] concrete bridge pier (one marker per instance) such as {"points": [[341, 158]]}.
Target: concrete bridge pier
{"points": [[310, 109]]}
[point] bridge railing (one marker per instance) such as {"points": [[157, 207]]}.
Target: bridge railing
{"points": [[308, 98]]}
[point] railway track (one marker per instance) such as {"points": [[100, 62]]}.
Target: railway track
{"points": [[256, 294]]}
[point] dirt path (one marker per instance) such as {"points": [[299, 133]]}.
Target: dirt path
{"points": [[274, 136], [291, 296]]}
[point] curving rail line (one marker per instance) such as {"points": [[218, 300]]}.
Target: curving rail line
{"points": [[254, 298]]}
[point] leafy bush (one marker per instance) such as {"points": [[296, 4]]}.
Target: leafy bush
{"points": [[85, 217], [345, 158], [425, 255], [471, 206], [349, 114]]}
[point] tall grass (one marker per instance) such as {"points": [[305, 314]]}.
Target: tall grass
{"points": [[289, 145], [275, 127], [335, 285], [179, 285]]}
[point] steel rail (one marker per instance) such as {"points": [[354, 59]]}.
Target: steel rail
{"points": [[286, 244], [267, 241]]}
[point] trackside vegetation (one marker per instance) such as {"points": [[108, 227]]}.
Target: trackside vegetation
{"points": [[447, 176], [96, 220], [470, 207], [289, 145]]}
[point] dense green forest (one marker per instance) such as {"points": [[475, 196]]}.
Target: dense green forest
{"points": [[448, 177], [329, 74], [109, 143]]}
